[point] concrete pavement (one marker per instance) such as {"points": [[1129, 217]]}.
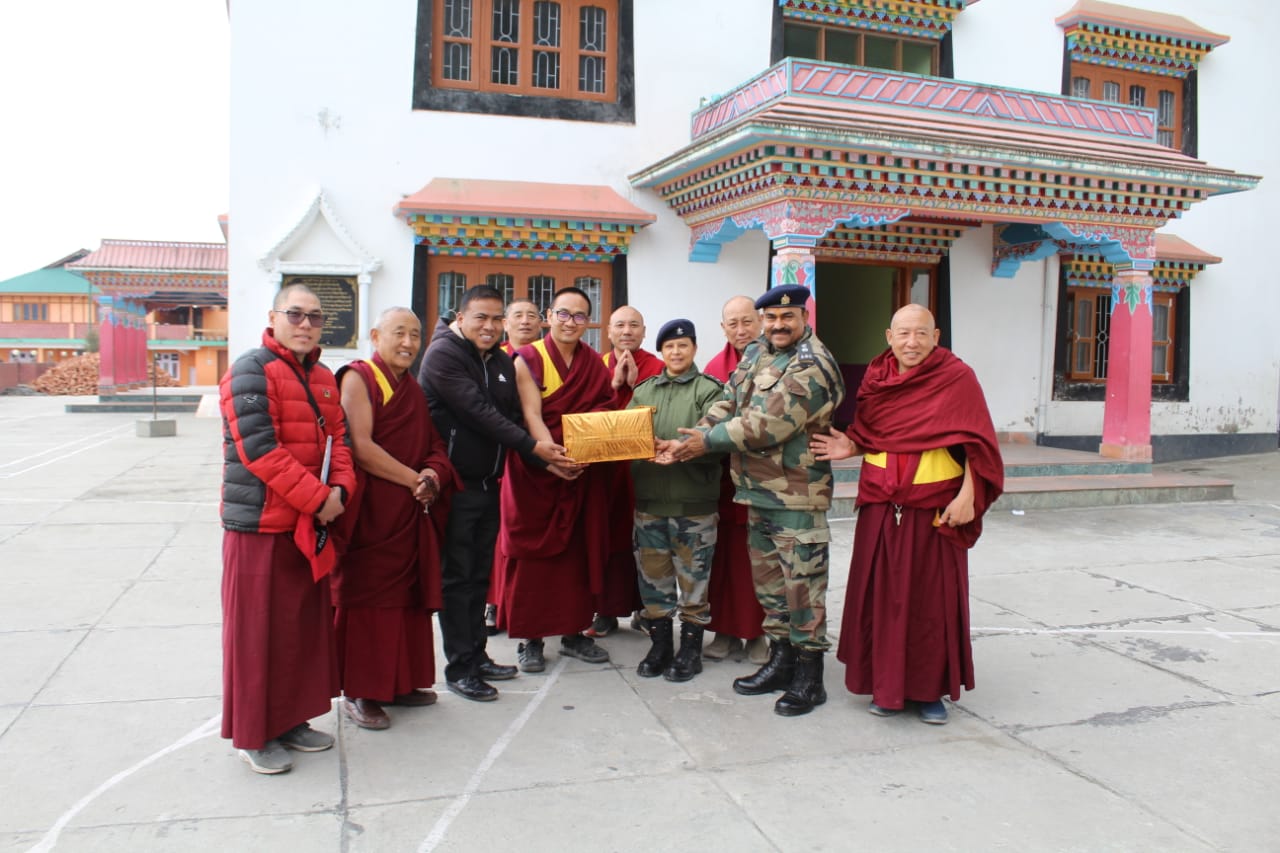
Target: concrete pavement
{"points": [[1128, 668]]}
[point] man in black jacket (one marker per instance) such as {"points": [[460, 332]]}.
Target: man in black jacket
{"points": [[470, 385]]}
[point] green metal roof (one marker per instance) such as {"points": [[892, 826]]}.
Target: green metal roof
{"points": [[48, 281]]}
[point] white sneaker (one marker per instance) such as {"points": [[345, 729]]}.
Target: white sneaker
{"points": [[270, 760]]}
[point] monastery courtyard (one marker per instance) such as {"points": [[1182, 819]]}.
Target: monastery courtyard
{"points": [[1128, 695]]}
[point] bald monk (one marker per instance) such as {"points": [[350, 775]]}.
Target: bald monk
{"points": [[736, 615], [387, 583], [522, 323], [630, 365], [931, 468]]}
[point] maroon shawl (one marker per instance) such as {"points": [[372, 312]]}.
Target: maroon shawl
{"points": [[723, 364], [387, 541], [647, 365], [937, 404]]}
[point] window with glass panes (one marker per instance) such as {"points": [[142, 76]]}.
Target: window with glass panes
{"points": [[1089, 339], [1135, 89], [537, 281], [853, 47], [560, 48]]}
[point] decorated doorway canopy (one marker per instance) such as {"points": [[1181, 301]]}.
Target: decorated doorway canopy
{"points": [[809, 151], [522, 219]]}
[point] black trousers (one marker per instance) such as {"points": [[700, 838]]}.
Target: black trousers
{"points": [[468, 562]]}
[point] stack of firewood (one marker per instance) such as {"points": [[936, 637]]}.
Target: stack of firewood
{"points": [[79, 376]]}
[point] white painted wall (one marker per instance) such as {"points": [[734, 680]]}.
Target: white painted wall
{"points": [[322, 100]]}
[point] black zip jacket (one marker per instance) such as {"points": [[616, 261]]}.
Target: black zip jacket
{"points": [[475, 406]]}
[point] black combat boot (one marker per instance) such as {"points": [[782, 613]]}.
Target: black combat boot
{"points": [[776, 674], [688, 662], [660, 651], [806, 690]]}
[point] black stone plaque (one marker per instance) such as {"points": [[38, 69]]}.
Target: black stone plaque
{"points": [[338, 301]]}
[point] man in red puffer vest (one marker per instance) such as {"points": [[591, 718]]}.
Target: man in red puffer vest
{"points": [[280, 411]]}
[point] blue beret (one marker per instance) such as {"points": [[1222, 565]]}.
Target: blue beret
{"points": [[784, 295], [678, 328]]}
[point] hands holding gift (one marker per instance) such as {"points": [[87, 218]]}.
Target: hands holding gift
{"points": [[668, 451]]}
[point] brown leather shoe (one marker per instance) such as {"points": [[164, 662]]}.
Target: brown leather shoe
{"points": [[366, 713], [416, 699]]}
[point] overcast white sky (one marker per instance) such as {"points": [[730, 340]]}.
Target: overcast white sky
{"points": [[113, 124]]}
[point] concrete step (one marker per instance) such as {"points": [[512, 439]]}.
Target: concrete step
{"points": [[164, 395], [134, 406], [1087, 464], [1089, 490]]}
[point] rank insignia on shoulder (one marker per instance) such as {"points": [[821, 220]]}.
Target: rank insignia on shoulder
{"points": [[804, 353]]}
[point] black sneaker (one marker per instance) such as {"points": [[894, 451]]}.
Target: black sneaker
{"points": [[583, 648], [530, 657], [602, 626]]}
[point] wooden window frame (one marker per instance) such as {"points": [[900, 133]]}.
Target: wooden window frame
{"points": [[860, 35], [566, 274], [1152, 84], [569, 50], [1094, 342], [1086, 341], [1168, 301]]}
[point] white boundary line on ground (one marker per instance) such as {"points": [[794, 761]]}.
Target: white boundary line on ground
{"points": [[1225, 635], [432, 841], [128, 501], [111, 434], [50, 838]]}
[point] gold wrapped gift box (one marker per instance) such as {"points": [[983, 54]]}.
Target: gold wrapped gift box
{"points": [[609, 436]]}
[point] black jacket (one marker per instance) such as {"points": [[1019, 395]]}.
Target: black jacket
{"points": [[475, 406]]}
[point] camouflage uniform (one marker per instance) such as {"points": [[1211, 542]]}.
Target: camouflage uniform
{"points": [[684, 544], [676, 506], [774, 401]]}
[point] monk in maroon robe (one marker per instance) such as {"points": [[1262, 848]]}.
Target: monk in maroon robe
{"points": [[555, 525], [629, 365], [280, 412], [387, 583], [522, 322], [931, 468], [736, 614]]}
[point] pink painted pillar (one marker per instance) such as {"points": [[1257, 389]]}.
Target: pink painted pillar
{"points": [[129, 367], [107, 345], [143, 354], [795, 265], [1126, 419]]}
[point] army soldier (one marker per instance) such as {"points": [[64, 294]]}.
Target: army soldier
{"points": [[785, 389]]}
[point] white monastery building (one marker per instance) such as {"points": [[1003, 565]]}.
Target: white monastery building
{"points": [[1075, 188]]}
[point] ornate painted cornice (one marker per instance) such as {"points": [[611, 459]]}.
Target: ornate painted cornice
{"points": [[469, 217], [1090, 270], [142, 284], [900, 242], [935, 149], [513, 237], [929, 19], [1135, 39]]}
